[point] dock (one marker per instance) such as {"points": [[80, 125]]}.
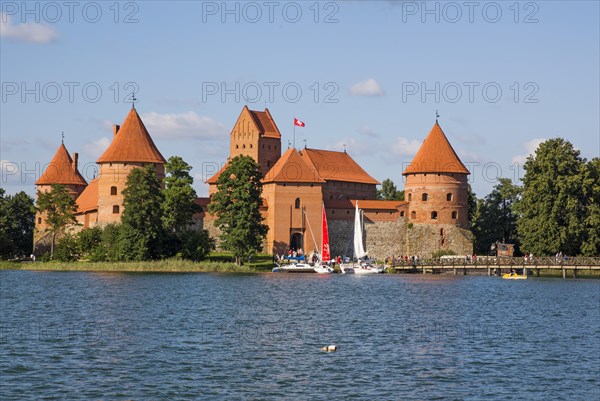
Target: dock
{"points": [[570, 267]]}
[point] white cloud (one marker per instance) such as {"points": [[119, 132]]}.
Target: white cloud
{"points": [[530, 148], [406, 147], [27, 32], [367, 131], [183, 125], [95, 148], [370, 87]]}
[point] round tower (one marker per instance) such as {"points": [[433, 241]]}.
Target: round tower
{"points": [[132, 147], [436, 183], [62, 170]]}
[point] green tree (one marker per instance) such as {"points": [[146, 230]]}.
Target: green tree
{"points": [[88, 241], [142, 232], [471, 204], [236, 205], [196, 245], [389, 191], [552, 208], [495, 219], [60, 210], [591, 186], [17, 221], [179, 205]]}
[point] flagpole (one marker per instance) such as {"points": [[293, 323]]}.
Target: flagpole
{"points": [[294, 133]]}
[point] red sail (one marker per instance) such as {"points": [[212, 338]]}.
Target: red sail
{"points": [[326, 256]]}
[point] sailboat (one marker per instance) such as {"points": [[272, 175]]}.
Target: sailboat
{"points": [[359, 249], [325, 253]]}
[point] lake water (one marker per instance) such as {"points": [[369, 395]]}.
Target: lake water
{"points": [[85, 336]]}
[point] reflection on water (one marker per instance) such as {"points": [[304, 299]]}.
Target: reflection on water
{"points": [[188, 336]]}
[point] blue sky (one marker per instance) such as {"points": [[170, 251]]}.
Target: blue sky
{"points": [[503, 75]]}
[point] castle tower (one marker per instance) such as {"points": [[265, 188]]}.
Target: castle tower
{"points": [[436, 183], [62, 170], [132, 147], [254, 134], [293, 191]]}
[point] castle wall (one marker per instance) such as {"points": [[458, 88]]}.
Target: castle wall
{"points": [[342, 190], [392, 238]]}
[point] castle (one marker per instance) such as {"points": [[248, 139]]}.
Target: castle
{"points": [[296, 185]]}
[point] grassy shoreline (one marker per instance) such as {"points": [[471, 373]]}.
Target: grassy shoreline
{"points": [[159, 266]]}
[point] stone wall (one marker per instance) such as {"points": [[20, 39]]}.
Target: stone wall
{"points": [[387, 238]]}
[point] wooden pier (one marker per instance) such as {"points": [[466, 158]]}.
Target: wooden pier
{"points": [[570, 267]]}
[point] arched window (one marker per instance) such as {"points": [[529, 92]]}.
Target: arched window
{"points": [[39, 220], [449, 197], [441, 232], [297, 203], [237, 146], [409, 197], [413, 215], [116, 209], [434, 215], [244, 146], [454, 215], [401, 214], [251, 146], [113, 190], [425, 197]]}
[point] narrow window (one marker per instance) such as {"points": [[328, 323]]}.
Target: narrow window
{"points": [[113, 190], [401, 214], [244, 146], [268, 163], [434, 215], [413, 215], [425, 197], [251, 146], [39, 220], [449, 197], [454, 215], [409, 197], [297, 203], [116, 209], [237, 146], [441, 232]]}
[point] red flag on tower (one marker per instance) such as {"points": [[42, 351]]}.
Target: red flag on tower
{"points": [[298, 123]]}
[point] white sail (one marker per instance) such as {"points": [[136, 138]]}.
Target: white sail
{"points": [[359, 250]]}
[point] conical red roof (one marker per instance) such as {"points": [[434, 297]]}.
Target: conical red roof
{"points": [[61, 170], [132, 144], [436, 155]]}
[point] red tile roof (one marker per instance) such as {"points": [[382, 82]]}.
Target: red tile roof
{"points": [[336, 166], [61, 170], [88, 200], [132, 144], [264, 122], [436, 155], [292, 168]]}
